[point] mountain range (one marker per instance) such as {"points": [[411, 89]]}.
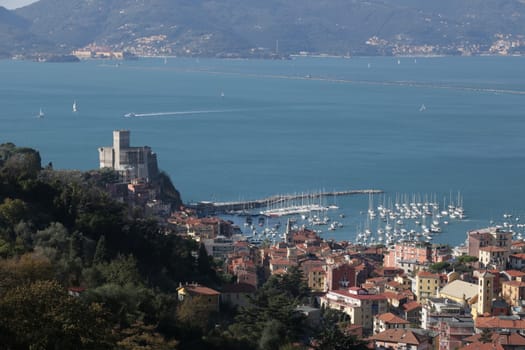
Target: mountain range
{"points": [[273, 28]]}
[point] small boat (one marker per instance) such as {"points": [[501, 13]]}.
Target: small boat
{"points": [[41, 114], [75, 109], [129, 115], [422, 108]]}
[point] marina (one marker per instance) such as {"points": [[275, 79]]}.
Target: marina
{"points": [[348, 126], [278, 205]]}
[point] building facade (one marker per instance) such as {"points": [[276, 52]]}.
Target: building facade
{"points": [[358, 304], [132, 163]]}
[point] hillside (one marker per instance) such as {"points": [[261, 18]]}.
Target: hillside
{"points": [[14, 33], [250, 27]]}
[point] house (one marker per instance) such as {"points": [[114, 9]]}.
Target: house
{"points": [[513, 292], [412, 312], [357, 303], [313, 270], [509, 341], [237, 294], [452, 332], [388, 320], [435, 310], [517, 261], [513, 275], [482, 346], [219, 247], [340, 275], [491, 236], [202, 296], [428, 284], [501, 324], [76, 291], [493, 257], [401, 339]]}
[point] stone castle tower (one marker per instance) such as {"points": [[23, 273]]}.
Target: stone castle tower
{"points": [[133, 163]]}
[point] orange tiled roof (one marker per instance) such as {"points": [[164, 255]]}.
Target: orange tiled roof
{"points": [[394, 295], [405, 336], [391, 318], [512, 338], [427, 274], [482, 346], [410, 306], [495, 322], [199, 290], [514, 273]]}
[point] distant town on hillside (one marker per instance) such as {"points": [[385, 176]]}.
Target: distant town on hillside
{"points": [[273, 29]]}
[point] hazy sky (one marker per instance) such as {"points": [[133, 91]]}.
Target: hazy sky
{"points": [[13, 4]]}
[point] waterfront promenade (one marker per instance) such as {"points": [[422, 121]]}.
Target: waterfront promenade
{"points": [[281, 201]]}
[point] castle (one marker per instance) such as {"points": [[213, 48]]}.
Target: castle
{"points": [[133, 163]]}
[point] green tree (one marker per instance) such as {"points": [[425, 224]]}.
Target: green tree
{"points": [[100, 251], [486, 335], [273, 336], [440, 266], [142, 337], [127, 303], [275, 301], [122, 271], [41, 315], [465, 259], [12, 211], [203, 261], [26, 269]]}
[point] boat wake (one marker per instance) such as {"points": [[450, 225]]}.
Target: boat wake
{"points": [[176, 113]]}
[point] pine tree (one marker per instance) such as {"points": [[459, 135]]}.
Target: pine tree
{"points": [[100, 255]]}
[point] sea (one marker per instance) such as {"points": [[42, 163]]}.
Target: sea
{"points": [[449, 130]]}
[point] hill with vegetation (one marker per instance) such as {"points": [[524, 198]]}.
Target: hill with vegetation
{"points": [[79, 270], [272, 28]]}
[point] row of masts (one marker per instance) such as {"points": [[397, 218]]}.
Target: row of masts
{"points": [[409, 218]]}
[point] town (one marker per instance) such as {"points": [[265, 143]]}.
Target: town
{"points": [[407, 294]]}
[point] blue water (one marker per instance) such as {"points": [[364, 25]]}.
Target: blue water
{"points": [[307, 124]]}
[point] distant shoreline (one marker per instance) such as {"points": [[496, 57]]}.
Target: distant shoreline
{"points": [[290, 56]]}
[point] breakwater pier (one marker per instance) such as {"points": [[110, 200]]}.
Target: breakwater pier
{"points": [[275, 205]]}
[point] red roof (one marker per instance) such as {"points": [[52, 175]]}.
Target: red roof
{"points": [[396, 335], [512, 338], [518, 284], [410, 306], [514, 273], [391, 318], [427, 274], [394, 295], [482, 346], [495, 322], [198, 289]]}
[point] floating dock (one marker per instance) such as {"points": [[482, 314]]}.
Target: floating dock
{"points": [[245, 207]]}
